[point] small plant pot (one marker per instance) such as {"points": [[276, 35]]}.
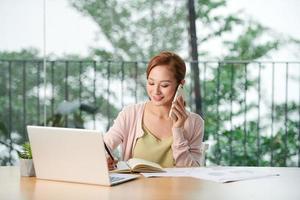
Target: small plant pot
{"points": [[27, 167]]}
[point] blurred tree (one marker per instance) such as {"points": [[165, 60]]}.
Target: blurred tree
{"points": [[136, 30]]}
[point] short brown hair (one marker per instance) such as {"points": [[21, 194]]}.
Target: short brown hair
{"points": [[171, 59]]}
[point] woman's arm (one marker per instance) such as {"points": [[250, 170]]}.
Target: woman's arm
{"points": [[115, 134], [187, 153]]}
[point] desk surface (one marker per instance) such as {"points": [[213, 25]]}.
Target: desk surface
{"points": [[285, 186]]}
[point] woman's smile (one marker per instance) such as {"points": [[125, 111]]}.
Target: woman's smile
{"points": [[157, 98]]}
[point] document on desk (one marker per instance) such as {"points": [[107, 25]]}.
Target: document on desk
{"points": [[216, 174]]}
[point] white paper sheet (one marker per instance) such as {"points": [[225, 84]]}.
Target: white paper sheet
{"points": [[217, 174]]}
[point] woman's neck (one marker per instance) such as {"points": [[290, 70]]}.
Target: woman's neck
{"points": [[160, 111]]}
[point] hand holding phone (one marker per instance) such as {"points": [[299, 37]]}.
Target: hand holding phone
{"points": [[179, 92]]}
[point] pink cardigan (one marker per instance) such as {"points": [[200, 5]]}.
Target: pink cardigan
{"points": [[127, 128]]}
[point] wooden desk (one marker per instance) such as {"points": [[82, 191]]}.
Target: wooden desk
{"points": [[286, 187]]}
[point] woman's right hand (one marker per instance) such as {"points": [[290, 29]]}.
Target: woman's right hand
{"points": [[112, 164]]}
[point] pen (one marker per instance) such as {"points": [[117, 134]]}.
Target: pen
{"points": [[107, 150]]}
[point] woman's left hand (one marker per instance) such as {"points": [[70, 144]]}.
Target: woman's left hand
{"points": [[179, 113]]}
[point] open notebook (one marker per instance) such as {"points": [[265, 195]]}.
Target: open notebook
{"points": [[137, 165]]}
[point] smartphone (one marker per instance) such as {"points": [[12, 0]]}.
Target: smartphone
{"points": [[179, 92]]}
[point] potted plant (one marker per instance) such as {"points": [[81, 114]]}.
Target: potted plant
{"points": [[26, 163]]}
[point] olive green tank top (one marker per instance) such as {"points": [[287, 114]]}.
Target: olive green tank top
{"points": [[149, 147]]}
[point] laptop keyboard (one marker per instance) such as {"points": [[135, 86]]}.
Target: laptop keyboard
{"points": [[114, 178]]}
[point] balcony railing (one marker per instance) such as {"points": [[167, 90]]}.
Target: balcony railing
{"points": [[251, 109]]}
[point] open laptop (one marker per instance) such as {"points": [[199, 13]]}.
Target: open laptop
{"points": [[73, 155]]}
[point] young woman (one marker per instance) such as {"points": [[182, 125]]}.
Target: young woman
{"points": [[146, 131]]}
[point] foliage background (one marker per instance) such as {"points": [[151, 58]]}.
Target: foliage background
{"points": [[137, 30]]}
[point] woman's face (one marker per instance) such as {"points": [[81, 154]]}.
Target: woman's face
{"points": [[161, 85]]}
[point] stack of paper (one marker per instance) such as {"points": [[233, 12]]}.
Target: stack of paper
{"points": [[217, 174]]}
